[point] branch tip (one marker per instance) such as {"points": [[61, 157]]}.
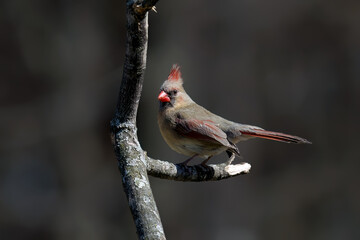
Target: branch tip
{"points": [[142, 7], [237, 169]]}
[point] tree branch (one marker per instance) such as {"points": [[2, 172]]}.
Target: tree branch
{"points": [[135, 59], [197, 173], [131, 160]]}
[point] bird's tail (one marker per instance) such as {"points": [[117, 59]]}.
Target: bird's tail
{"points": [[281, 137]]}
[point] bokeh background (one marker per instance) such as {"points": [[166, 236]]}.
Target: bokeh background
{"points": [[290, 66]]}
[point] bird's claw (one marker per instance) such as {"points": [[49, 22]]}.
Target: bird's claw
{"points": [[207, 167]]}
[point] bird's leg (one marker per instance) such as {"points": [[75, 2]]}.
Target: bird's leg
{"points": [[229, 153], [205, 161], [187, 160], [231, 158]]}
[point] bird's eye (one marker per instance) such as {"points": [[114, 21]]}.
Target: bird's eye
{"points": [[174, 92]]}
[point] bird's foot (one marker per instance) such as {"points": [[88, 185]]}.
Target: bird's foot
{"points": [[207, 167], [203, 163]]}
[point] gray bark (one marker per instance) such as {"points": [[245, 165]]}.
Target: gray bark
{"points": [[197, 173], [131, 160]]}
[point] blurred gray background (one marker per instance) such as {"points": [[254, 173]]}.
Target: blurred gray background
{"points": [[289, 66]]}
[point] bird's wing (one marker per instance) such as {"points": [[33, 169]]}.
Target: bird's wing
{"points": [[201, 129]]}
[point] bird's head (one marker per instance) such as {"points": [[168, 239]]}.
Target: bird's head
{"points": [[172, 93]]}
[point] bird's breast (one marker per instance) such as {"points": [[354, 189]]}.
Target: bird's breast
{"points": [[183, 144]]}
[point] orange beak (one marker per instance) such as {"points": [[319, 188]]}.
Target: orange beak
{"points": [[163, 97]]}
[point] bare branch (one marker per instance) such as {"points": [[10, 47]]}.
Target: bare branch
{"points": [[131, 161], [132, 165], [197, 173], [135, 59]]}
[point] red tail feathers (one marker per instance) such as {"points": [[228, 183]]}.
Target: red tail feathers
{"points": [[281, 137]]}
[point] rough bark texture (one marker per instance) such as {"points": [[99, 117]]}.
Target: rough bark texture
{"points": [[197, 173], [132, 165], [132, 160], [134, 65]]}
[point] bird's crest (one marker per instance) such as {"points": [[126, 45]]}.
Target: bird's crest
{"points": [[175, 73]]}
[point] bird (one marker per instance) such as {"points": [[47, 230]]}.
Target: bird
{"points": [[194, 131]]}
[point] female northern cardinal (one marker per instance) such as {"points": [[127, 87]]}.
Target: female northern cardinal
{"points": [[192, 130]]}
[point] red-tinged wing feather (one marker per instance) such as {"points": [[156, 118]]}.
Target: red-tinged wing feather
{"points": [[281, 137], [201, 130]]}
